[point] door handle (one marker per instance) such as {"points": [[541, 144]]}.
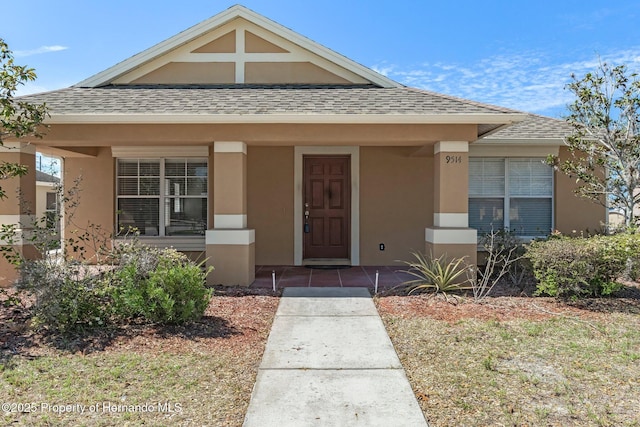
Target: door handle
{"points": [[307, 228]]}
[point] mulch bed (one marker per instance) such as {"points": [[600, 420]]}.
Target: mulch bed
{"points": [[506, 302], [235, 314], [233, 320]]}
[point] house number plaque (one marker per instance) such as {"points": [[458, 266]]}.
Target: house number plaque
{"points": [[453, 159]]}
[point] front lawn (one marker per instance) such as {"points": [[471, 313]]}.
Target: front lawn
{"points": [[201, 374], [519, 361], [507, 361]]}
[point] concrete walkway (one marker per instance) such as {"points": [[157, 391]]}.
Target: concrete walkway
{"points": [[329, 362]]}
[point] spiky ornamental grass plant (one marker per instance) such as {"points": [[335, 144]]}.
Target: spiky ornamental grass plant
{"points": [[437, 274]]}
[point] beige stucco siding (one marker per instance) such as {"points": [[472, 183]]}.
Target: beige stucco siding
{"points": [[224, 44], [24, 186], [272, 134], [289, 73], [190, 73], [452, 186], [270, 203], [396, 203], [255, 44], [96, 196], [573, 213], [231, 198]]}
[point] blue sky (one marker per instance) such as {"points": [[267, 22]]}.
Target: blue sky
{"points": [[518, 54]]}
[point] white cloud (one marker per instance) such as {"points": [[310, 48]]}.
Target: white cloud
{"points": [[530, 81], [41, 49]]}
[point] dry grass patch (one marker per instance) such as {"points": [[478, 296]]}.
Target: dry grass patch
{"points": [[518, 361], [201, 374]]}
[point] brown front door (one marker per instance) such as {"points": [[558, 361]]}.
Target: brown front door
{"points": [[327, 206]]}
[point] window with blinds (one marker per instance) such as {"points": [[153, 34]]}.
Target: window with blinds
{"points": [[162, 197], [523, 188]]}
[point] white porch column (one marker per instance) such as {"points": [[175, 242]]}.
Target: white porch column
{"points": [[19, 206], [230, 245], [450, 234]]}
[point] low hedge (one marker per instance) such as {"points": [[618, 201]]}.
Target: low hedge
{"points": [[145, 285], [573, 267]]}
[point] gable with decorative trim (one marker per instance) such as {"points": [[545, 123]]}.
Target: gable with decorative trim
{"points": [[237, 47]]}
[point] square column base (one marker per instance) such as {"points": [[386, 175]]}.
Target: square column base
{"points": [[232, 255], [452, 243]]}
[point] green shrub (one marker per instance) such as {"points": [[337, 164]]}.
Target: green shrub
{"points": [[625, 246], [159, 286], [176, 294], [133, 280], [149, 285], [68, 299], [584, 266]]}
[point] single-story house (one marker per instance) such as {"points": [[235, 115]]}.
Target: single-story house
{"points": [[241, 139]]}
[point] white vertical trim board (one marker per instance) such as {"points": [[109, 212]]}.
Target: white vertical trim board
{"points": [[299, 152], [240, 48]]}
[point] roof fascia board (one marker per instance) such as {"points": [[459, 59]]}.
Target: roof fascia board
{"points": [[520, 141], [539, 149], [286, 118], [218, 20]]}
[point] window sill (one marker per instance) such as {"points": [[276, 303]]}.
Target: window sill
{"points": [[180, 243]]}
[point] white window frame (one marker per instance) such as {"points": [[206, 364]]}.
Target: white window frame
{"points": [[507, 198], [179, 242]]}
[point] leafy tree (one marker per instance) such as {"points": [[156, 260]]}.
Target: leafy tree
{"points": [[604, 144], [17, 118]]}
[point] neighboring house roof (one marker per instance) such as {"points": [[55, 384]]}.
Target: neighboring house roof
{"points": [[45, 177]]}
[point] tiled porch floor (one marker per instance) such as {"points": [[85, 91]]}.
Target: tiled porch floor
{"points": [[296, 276]]}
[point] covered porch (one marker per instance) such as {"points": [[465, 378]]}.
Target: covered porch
{"points": [[388, 277], [403, 198]]}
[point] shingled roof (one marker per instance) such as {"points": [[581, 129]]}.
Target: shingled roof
{"points": [[214, 103], [256, 100], [108, 97], [533, 127], [45, 177]]}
